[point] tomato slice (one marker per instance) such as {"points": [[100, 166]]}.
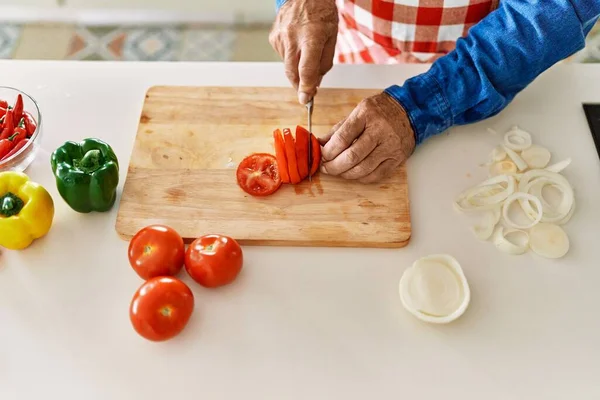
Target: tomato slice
{"points": [[316, 155], [290, 152], [280, 155], [258, 174], [302, 138]]}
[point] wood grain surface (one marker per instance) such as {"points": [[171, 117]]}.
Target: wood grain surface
{"points": [[187, 148]]}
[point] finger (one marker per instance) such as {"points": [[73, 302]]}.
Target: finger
{"points": [[291, 59], [323, 140], [343, 137], [351, 158], [309, 70], [279, 48], [275, 42], [373, 160], [384, 170], [327, 56]]}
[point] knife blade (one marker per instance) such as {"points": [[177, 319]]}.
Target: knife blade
{"points": [[309, 107]]}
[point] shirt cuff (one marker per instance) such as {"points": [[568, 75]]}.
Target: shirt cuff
{"points": [[424, 102], [278, 4]]}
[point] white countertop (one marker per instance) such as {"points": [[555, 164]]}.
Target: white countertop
{"points": [[302, 323]]}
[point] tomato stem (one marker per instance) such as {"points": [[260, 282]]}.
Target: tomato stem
{"points": [[10, 205], [166, 311]]}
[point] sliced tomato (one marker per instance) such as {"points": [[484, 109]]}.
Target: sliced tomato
{"points": [[302, 138], [280, 155], [290, 152], [316, 155], [258, 174]]}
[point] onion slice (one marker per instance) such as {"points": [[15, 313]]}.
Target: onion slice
{"points": [[503, 168], [522, 197], [536, 156], [549, 240], [498, 154], [559, 182], [485, 228], [503, 244], [486, 195], [517, 139], [559, 166], [434, 289], [519, 162]]}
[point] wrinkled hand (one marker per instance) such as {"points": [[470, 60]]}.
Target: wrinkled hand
{"points": [[304, 34], [370, 143]]}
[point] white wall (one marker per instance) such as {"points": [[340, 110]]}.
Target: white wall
{"points": [[37, 3], [258, 7], [192, 10]]}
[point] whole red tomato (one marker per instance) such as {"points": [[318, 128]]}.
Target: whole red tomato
{"points": [[156, 250], [161, 308], [214, 260]]}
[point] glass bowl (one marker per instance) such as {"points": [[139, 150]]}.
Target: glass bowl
{"points": [[20, 160]]}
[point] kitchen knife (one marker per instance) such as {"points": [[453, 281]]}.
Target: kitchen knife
{"points": [[592, 113], [309, 107]]}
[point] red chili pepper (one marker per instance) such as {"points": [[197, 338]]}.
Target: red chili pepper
{"points": [[20, 134], [6, 146], [2, 111], [15, 149], [9, 127], [18, 109], [3, 103], [30, 124]]}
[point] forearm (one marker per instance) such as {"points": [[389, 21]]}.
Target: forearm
{"points": [[499, 57]]}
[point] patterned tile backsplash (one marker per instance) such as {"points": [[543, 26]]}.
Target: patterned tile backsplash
{"points": [[164, 43], [144, 43]]}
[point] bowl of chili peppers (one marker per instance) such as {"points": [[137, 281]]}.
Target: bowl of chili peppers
{"points": [[20, 129]]}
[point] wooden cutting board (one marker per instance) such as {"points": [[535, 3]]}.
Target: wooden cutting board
{"points": [[189, 143]]}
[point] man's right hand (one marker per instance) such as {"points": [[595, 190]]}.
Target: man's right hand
{"points": [[304, 34]]}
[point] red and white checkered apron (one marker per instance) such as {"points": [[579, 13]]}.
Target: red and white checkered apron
{"points": [[404, 31]]}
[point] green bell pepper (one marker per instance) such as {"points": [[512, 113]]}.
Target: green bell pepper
{"points": [[87, 174]]}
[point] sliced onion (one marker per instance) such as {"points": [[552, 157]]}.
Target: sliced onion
{"points": [[549, 240], [522, 197], [503, 244], [482, 197], [519, 162], [517, 139], [536, 187], [485, 228], [567, 218], [559, 166], [435, 289], [553, 214], [503, 168], [536, 156], [498, 154]]}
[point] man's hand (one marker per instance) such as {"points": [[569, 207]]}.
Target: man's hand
{"points": [[304, 34], [371, 142]]}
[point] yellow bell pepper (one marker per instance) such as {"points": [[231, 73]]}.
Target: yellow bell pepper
{"points": [[26, 210]]}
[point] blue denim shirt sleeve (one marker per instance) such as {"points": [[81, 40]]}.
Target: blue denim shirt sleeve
{"points": [[278, 4], [497, 59]]}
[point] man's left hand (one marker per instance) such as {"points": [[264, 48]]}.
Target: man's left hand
{"points": [[371, 142]]}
